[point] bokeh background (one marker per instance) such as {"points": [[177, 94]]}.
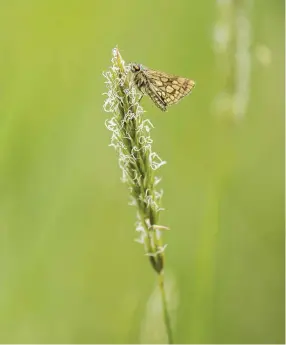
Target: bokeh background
{"points": [[70, 271]]}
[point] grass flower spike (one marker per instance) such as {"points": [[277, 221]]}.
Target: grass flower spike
{"points": [[132, 141]]}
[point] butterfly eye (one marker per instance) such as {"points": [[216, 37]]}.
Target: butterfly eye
{"points": [[135, 68]]}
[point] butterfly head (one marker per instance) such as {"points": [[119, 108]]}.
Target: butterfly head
{"points": [[135, 67]]}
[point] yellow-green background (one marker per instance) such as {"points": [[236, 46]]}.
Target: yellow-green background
{"points": [[70, 271]]}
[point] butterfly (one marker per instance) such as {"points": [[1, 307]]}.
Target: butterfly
{"points": [[163, 89]]}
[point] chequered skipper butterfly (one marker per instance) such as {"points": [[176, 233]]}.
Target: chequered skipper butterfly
{"points": [[163, 89]]}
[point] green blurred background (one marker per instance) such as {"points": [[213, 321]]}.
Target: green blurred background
{"points": [[70, 271]]}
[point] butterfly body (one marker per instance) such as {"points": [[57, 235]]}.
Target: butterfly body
{"points": [[163, 89]]}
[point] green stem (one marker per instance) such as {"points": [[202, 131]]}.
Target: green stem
{"points": [[165, 309]]}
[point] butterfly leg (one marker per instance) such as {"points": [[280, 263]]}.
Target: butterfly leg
{"points": [[143, 93], [139, 100]]}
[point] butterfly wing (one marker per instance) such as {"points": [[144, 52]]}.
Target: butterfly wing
{"points": [[156, 95], [169, 89]]}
